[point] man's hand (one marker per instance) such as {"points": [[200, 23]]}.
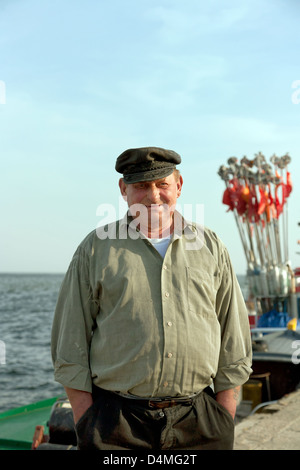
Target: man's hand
{"points": [[80, 402], [228, 398]]}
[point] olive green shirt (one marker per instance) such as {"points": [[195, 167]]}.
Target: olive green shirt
{"points": [[129, 320]]}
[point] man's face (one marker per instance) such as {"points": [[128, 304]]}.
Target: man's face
{"points": [[156, 200]]}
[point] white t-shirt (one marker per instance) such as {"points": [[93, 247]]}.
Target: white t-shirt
{"points": [[160, 244]]}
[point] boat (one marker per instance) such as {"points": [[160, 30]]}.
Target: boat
{"points": [[257, 194], [44, 425]]}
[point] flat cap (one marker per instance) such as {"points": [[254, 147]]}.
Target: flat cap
{"points": [[146, 164]]}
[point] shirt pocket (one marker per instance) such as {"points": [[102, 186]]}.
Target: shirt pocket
{"points": [[201, 292]]}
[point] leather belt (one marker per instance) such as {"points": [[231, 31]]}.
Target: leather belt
{"points": [[160, 402]]}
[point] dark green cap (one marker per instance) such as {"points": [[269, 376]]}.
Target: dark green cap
{"points": [[146, 164]]}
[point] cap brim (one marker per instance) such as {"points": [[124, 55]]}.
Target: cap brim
{"points": [[150, 175]]}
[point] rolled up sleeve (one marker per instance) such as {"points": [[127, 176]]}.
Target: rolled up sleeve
{"points": [[73, 326], [235, 357]]}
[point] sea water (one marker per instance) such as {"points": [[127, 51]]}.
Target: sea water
{"points": [[27, 304]]}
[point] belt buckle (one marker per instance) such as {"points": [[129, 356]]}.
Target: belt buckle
{"points": [[159, 403], [155, 403]]}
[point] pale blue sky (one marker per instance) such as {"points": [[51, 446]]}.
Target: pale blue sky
{"points": [[86, 80]]}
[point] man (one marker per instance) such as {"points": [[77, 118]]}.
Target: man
{"points": [[150, 315]]}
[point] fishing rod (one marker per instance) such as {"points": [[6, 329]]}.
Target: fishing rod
{"points": [[251, 193], [236, 197], [224, 174]]}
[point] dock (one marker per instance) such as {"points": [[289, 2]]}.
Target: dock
{"points": [[273, 427]]}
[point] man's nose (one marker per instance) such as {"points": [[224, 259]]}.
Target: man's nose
{"points": [[153, 194]]}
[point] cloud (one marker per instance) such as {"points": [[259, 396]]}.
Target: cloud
{"points": [[181, 22]]}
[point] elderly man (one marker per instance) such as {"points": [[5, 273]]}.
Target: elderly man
{"points": [[150, 336]]}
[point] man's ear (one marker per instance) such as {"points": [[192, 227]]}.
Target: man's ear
{"points": [[123, 188], [179, 185]]}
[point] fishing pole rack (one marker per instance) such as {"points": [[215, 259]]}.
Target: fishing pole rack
{"points": [[257, 194]]}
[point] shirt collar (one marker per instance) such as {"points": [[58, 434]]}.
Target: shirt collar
{"points": [[181, 226]]}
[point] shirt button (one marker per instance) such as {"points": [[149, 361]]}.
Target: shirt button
{"points": [[167, 294], [169, 323], [165, 266], [166, 384], [170, 354], [161, 414]]}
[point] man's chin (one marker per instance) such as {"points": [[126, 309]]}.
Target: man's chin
{"points": [[155, 208]]}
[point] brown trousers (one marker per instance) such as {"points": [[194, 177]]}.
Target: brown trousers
{"points": [[116, 423]]}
